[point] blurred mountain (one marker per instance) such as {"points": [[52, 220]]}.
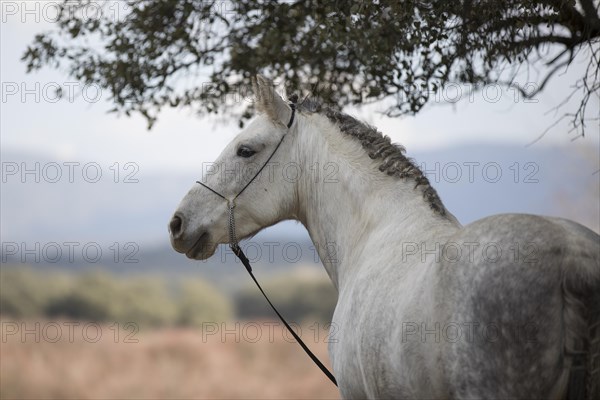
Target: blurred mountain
{"points": [[557, 181], [125, 212]]}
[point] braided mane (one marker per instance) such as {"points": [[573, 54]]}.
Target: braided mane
{"points": [[393, 161]]}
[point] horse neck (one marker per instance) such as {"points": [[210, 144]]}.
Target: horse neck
{"points": [[350, 208]]}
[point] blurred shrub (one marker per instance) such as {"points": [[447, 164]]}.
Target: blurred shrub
{"points": [[91, 297], [24, 293], [147, 302], [299, 297], [98, 296], [101, 297], [200, 302]]}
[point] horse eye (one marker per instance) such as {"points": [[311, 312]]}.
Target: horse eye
{"points": [[245, 152]]}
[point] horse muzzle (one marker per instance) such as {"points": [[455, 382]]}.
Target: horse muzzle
{"points": [[195, 245]]}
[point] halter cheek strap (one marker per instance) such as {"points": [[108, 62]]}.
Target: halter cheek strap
{"points": [[232, 201], [233, 244]]}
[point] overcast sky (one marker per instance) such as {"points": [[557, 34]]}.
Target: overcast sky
{"points": [[36, 127], [82, 130]]}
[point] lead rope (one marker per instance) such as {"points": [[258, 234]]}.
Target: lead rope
{"points": [[233, 244], [240, 254]]}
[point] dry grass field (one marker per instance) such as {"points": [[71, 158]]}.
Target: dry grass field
{"points": [[163, 364]]}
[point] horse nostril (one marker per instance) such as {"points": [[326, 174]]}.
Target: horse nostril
{"points": [[175, 226]]}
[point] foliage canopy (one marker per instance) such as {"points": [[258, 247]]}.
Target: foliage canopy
{"points": [[347, 52]]}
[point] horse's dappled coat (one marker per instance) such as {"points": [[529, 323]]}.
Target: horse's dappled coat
{"points": [[522, 290]]}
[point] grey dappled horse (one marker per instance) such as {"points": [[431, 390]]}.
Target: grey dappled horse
{"points": [[505, 307]]}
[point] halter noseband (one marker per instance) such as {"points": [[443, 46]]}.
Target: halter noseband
{"points": [[233, 244]]}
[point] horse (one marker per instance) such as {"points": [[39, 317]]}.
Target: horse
{"points": [[505, 307]]}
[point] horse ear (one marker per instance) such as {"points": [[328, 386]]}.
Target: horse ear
{"points": [[269, 102]]}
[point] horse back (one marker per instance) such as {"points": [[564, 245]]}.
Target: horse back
{"points": [[517, 295]]}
